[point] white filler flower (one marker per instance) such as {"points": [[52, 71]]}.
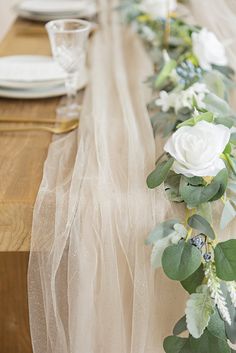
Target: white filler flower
{"points": [[158, 8], [183, 99], [208, 49], [197, 149]]}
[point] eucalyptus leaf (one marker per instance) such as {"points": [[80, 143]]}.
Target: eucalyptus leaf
{"points": [[198, 222], [191, 283], [196, 195], [181, 260], [215, 83], [193, 121], [199, 309], [225, 260], [209, 343], [161, 231], [233, 138], [172, 187], [165, 72], [216, 326], [205, 211], [232, 162], [159, 248], [180, 326], [225, 120], [158, 176], [216, 105], [230, 329], [228, 214], [174, 344], [222, 180]]}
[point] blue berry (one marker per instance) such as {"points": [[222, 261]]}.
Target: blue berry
{"points": [[198, 241], [207, 256]]}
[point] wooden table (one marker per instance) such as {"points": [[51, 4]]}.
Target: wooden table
{"points": [[22, 156]]}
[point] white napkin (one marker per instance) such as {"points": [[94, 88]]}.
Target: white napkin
{"points": [[20, 70]]}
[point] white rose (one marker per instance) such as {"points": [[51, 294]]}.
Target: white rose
{"points": [[197, 149], [208, 49], [158, 8]]}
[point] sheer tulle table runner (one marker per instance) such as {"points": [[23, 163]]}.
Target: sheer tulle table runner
{"points": [[91, 286]]}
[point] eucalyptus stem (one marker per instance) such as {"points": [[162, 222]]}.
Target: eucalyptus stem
{"points": [[167, 28]]}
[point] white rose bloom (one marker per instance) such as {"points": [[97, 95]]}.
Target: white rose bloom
{"points": [[158, 8], [208, 49], [183, 99], [197, 149]]}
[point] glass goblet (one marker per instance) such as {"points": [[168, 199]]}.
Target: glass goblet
{"points": [[68, 39]]}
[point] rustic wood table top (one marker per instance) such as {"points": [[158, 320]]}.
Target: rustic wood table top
{"points": [[22, 154]]}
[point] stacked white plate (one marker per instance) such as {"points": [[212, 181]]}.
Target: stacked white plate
{"points": [[31, 77], [46, 10]]}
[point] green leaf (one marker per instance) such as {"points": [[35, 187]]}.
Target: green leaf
{"points": [[173, 344], [230, 329], [198, 311], [180, 326], [216, 105], [221, 179], [225, 70], [205, 211], [231, 161], [172, 187], [228, 214], [158, 250], [215, 83], [226, 120], [198, 222], [161, 231], [196, 195], [158, 176], [233, 138], [209, 343], [191, 283], [195, 181], [227, 149], [225, 260], [193, 121], [165, 72], [181, 260], [216, 326]]}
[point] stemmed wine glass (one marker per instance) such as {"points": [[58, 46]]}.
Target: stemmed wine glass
{"points": [[68, 40]]}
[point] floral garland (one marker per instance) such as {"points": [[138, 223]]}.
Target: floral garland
{"points": [[191, 85]]}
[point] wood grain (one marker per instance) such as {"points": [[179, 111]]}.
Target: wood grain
{"points": [[22, 154], [14, 323]]}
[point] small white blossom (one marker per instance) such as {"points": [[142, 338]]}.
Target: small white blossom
{"points": [[148, 33], [208, 49], [183, 99], [217, 295], [232, 291]]}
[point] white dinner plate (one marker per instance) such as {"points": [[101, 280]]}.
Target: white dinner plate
{"points": [[26, 71], [33, 76], [41, 91], [42, 10], [52, 6]]}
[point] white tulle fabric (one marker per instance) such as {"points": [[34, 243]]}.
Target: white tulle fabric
{"points": [[91, 286]]}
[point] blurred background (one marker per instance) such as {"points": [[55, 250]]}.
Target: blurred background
{"points": [[6, 15]]}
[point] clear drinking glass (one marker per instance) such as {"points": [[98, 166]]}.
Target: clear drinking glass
{"points": [[68, 40]]}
